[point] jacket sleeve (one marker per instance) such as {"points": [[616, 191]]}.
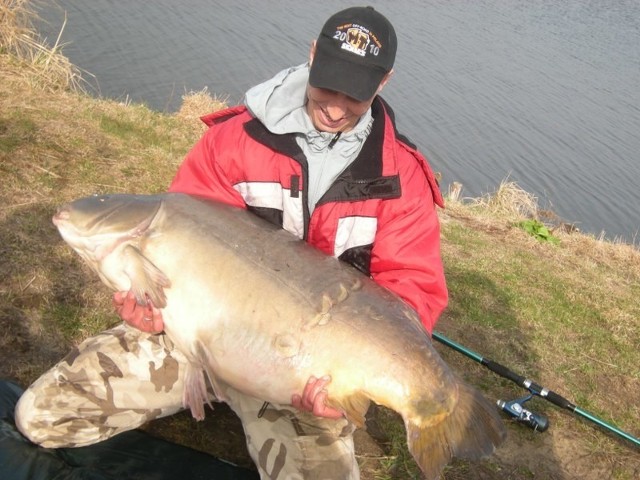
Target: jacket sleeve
{"points": [[205, 171], [406, 255]]}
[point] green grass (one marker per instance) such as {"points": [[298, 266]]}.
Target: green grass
{"points": [[15, 131]]}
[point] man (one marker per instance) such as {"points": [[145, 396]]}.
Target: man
{"points": [[314, 150]]}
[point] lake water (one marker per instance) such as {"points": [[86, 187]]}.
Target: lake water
{"points": [[543, 93]]}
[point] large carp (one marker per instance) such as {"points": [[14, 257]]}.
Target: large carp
{"points": [[251, 305]]}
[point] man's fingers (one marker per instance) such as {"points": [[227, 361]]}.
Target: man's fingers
{"points": [[157, 322], [315, 390], [311, 390], [321, 409], [129, 306], [318, 405], [314, 398], [118, 298], [146, 318], [296, 401]]}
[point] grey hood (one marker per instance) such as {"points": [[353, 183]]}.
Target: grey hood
{"points": [[280, 104]]}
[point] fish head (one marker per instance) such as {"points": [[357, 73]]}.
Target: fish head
{"points": [[95, 226]]}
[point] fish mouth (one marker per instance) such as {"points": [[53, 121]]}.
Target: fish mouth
{"points": [[61, 216]]}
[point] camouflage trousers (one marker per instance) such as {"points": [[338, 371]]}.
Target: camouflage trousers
{"points": [[122, 378]]}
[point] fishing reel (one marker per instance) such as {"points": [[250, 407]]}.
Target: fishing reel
{"points": [[515, 409]]}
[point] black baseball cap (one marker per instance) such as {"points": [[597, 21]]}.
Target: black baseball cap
{"points": [[355, 50]]}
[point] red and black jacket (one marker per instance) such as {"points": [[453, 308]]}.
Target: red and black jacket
{"points": [[379, 215]]}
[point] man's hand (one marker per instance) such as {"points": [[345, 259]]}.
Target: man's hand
{"points": [[314, 398], [146, 318]]}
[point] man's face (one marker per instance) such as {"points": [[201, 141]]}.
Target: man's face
{"points": [[334, 111]]}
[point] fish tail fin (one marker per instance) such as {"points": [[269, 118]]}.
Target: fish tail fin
{"points": [[471, 431]]}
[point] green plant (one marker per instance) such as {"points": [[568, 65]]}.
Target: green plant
{"points": [[538, 230]]}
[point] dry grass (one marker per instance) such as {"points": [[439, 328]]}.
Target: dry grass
{"points": [[508, 202], [196, 104], [41, 64]]}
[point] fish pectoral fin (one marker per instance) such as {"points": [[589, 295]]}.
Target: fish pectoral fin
{"points": [[205, 359], [354, 407], [195, 393], [146, 278]]}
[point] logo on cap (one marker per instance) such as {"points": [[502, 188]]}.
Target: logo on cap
{"points": [[357, 39]]}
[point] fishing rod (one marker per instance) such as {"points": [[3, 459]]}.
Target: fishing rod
{"points": [[515, 407]]}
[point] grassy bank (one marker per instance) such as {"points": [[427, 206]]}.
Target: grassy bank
{"points": [[564, 312]]}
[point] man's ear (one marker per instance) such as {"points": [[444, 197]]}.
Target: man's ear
{"points": [[312, 52], [384, 81]]}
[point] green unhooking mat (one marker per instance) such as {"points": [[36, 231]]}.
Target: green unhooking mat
{"points": [[132, 455]]}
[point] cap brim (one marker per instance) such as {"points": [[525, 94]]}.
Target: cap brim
{"points": [[344, 75]]}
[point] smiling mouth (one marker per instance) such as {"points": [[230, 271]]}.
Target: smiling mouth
{"points": [[327, 120]]}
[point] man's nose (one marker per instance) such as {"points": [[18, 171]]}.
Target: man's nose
{"points": [[337, 106]]}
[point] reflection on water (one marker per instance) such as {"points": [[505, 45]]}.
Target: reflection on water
{"points": [[545, 93]]}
